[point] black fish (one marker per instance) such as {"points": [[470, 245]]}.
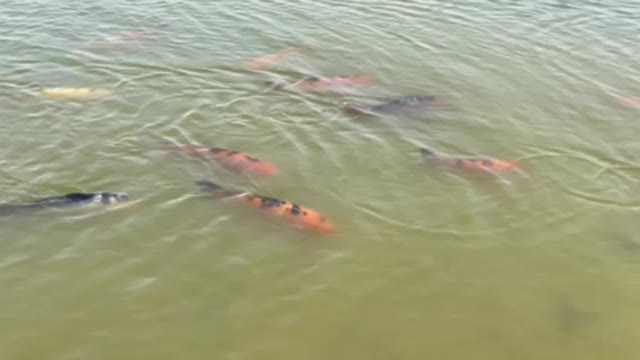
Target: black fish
{"points": [[407, 104], [73, 200]]}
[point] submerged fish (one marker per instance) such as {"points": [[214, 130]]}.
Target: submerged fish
{"points": [[72, 200], [75, 93], [325, 83], [231, 160], [631, 102], [407, 104], [299, 217], [271, 60], [118, 40], [470, 164]]}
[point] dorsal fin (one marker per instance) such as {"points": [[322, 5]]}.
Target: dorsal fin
{"points": [[426, 152], [208, 185]]}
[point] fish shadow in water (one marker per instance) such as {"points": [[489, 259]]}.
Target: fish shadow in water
{"points": [[401, 110], [627, 244], [568, 318]]}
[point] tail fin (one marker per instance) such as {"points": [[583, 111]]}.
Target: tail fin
{"points": [[169, 147], [209, 186], [354, 109], [276, 84], [426, 152]]}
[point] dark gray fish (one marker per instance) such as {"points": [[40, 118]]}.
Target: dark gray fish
{"points": [[568, 316], [407, 104], [627, 243], [72, 200], [571, 318]]}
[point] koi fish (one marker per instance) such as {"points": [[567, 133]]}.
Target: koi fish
{"points": [[127, 37], [118, 40], [298, 216], [399, 105], [326, 83], [631, 102], [271, 60], [74, 93], [72, 200], [469, 164], [231, 160]]}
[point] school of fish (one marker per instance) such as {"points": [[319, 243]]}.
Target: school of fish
{"points": [[240, 163]]}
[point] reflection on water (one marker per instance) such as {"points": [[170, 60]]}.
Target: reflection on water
{"points": [[428, 258]]}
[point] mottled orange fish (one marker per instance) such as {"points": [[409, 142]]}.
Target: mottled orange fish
{"points": [[326, 83], [295, 215], [270, 61], [231, 160], [470, 165]]}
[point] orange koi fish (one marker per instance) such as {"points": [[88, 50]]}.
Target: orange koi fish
{"points": [[298, 216], [326, 83], [469, 164], [231, 160], [270, 61]]}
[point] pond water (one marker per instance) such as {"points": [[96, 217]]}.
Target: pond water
{"points": [[425, 262]]}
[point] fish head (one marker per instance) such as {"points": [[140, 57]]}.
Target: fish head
{"points": [[360, 79], [316, 222], [512, 166], [113, 198], [501, 165], [366, 79], [261, 168]]}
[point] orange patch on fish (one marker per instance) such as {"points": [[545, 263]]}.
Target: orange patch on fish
{"points": [[631, 102], [295, 215], [471, 165], [270, 61], [231, 160]]}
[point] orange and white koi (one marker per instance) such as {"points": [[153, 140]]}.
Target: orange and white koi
{"points": [[231, 160], [293, 214], [471, 165]]}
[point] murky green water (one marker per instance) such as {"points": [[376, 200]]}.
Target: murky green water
{"points": [[425, 263]]}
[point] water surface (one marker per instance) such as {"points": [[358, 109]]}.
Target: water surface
{"points": [[425, 263]]}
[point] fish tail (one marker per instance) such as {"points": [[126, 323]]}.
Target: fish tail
{"points": [[216, 190], [8, 210], [354, 109], [169, 146], [209, 186]]}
